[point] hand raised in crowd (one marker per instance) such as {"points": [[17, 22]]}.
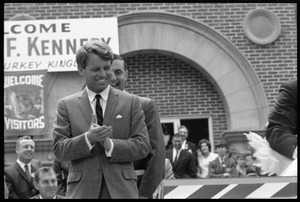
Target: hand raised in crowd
{"points": [[226, 174], [228, 170]]}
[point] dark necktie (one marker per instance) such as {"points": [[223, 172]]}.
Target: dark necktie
{"points": [[99, 110], [27, 171], [176, 157]]}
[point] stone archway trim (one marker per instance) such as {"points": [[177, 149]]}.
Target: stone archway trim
{"points": [[235, 80]]}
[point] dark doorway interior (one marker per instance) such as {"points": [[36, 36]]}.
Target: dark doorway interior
{"points": [[168, 129], [198, 129]]}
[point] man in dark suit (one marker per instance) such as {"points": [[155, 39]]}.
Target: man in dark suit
{"points": [[222, 166], [101, 153], [282, 128], [186, 145], [45, 181], [150, 170], [183, 162], [18, 179]]}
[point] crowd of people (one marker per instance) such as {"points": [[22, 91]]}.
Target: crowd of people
{"points": [[201, 162], [109, 143]]}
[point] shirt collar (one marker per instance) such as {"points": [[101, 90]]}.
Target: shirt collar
{"points": [[23, 164], [184, 145], [42, 198], [176, 150], [104, 94]]}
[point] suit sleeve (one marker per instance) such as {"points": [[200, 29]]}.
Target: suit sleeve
{"points": [[137, 146], [59, 175], [156, 158], [66, 146], [282, 127], [192, 166], [232, 165]]}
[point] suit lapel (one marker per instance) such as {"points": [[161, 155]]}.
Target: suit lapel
{"points": [[85, 106], [220, 165], [110, 106], [23, 174], [175, 163]]}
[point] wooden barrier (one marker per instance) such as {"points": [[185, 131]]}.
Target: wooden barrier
{"points": [[235, 188]]}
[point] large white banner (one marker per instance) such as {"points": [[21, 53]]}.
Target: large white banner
{"points": [[52, 44]]}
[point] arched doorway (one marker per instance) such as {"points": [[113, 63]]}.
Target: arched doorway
{"points": [[226, 68]]}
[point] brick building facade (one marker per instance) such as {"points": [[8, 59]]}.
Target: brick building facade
{"points": [[182, 83]]}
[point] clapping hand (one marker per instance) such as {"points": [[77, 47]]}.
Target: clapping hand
{"points": [[97, 133]]}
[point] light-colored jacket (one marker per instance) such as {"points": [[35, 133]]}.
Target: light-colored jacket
{"points": [[130, 139]]}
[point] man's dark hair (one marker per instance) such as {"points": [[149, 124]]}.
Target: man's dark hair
{"points": [[206, 142], [118, 57], [96, 47], [25, 137], [42, 171], [178, 135]]}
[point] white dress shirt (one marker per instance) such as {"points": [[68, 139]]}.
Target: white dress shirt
{"points": [[103, 102], [23, 165]]}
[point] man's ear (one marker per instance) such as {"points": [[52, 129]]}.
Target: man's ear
{"points": [[80, 70], [35, 185], [126, 74]]}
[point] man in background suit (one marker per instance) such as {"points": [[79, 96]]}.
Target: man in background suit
{"points": [[222, 166], [45, 181], [19, 184], [282, 129], [150, 170], [186, 145], [183, 162], [101, 153]]}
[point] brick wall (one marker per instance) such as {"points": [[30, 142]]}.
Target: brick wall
{"points": [[273, 63], [177, 88]]}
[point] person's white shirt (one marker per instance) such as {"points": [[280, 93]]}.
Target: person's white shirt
{"points": [[175, 152], [52, 198], [23, 165], [203, 163], [103, 102]]}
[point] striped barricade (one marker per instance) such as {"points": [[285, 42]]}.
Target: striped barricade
{"points": [[256, 187]]}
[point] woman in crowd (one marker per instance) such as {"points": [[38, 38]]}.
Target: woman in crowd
{"points": [[203, 156]]}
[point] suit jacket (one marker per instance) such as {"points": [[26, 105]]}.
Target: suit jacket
{"points": [[61, 169], [216, 170], [282, 128], [18, 184], [57, 197], [185, 166], [88, 167], [154, 163]]}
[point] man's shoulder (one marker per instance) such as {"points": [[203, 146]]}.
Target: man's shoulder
{"points": [[191, 144], [10, 167], [121, 93], [290, 85], [145, 99], [187, 153], [74, 95]]}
